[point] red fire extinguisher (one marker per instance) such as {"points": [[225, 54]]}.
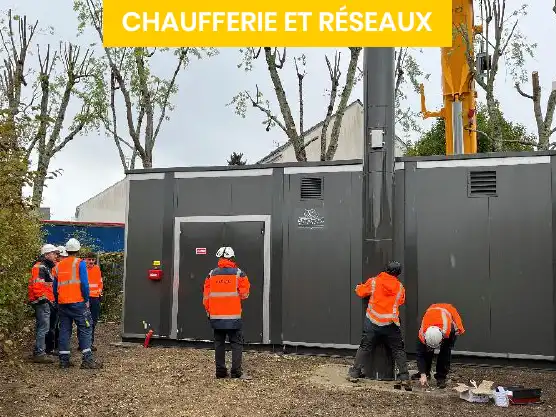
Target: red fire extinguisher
{"points": [[148, 338]]}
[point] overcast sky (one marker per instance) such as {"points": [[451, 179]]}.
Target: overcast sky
{"points": [[203, 131]]}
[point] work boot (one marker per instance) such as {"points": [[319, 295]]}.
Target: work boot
{"points": [[242, 377], [65, 365], [91, 364], [441, 383], [42, 358], [354, 374]]}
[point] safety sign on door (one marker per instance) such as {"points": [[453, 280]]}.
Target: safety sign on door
{"points": [[200, 251]]}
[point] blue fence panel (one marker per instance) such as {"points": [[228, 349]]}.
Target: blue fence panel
{"points": [[100, 238]]}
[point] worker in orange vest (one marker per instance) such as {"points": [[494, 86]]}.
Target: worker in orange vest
{"points": [[224, 290], [71, 290], [41, 297], [440, 326], [386, 294], [95, 293]]}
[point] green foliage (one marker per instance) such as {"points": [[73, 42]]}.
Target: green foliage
{"points": [[515, 137], [20, 233], [112, 268], [236, 159]]}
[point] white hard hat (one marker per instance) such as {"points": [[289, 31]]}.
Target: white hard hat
{"points": [[62, 251], [433, 337], [73, 245], [48, 248], [225, 252]]}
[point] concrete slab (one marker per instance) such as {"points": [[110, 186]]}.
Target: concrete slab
{"points": [[334, 376]]}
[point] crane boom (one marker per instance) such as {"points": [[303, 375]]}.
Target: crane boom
{"points": [[458, 85]]}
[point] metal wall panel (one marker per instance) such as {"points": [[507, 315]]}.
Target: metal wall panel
{"points": [[398, 214], [521, 284], [452, 254], [356, 223], [144, 245], [317, 263], [224, 196]]}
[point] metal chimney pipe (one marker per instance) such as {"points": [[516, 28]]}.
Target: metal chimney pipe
{"points": [[378, 175]]}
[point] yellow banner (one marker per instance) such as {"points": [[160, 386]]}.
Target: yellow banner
{"points": [[323, 23]]}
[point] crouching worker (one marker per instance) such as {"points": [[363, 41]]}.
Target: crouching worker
{"points": [[224, 290], [386, 293], [440, 327], [71, 290], [41, 297]]}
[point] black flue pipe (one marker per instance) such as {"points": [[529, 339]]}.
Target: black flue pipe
{"points": [[378, 179]]}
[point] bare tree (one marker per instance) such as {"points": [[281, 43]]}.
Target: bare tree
{"points": [[15, 49], [498, 40], [275, 60], [544, 123], [146, 97], [339, 92], [45, 108]]}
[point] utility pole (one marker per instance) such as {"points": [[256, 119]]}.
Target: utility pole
{"points": [[378, 176]]}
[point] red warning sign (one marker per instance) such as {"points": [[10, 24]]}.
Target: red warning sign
{"points": [[200, 251]]}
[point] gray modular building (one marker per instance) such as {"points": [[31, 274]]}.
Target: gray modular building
{"points": [[473, 231]]}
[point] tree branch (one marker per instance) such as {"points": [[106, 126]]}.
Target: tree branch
{"points": [[520, 91], [334, 73], [256, 103], [182, 57], [346, 93]]}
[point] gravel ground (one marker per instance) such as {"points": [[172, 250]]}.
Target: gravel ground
{"points": [[180, 382]]}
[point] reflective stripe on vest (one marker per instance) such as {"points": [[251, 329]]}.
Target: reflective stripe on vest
{"points": [[74, 279], [447, 320], [226, 295], [391, 317]]}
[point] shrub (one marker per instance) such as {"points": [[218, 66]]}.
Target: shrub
{"points": [[20, 235], [112, 268]]}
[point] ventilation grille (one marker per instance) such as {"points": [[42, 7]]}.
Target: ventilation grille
{"points": [[482, 183], [311, 188]]}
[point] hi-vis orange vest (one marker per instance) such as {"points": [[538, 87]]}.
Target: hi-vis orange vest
{"points": [[38, 289], [222, 294], [69, 283], [442, 316], [386, 294], [95, 281]]}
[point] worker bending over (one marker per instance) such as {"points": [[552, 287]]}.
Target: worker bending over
{"points": [[71, 290], [225, 288], [440, 327], [41, 296], [95, 293], [386, 293]]}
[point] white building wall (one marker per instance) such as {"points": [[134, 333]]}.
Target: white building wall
{"points": [[350, 141], [108, 206]]}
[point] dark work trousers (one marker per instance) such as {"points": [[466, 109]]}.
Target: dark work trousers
{"points": [[426, 354], [53, 332], [236, 341], [79, 314], [392, 337], [94, 303]]}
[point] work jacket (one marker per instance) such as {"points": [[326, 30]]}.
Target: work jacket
{"points": [[71, 285], [225, 287], [443, 316], [386, 294], [40, 286], [95, 281]]}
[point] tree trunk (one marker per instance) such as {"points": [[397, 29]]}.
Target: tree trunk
{"points": [[38, 184], [494, 122]]}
